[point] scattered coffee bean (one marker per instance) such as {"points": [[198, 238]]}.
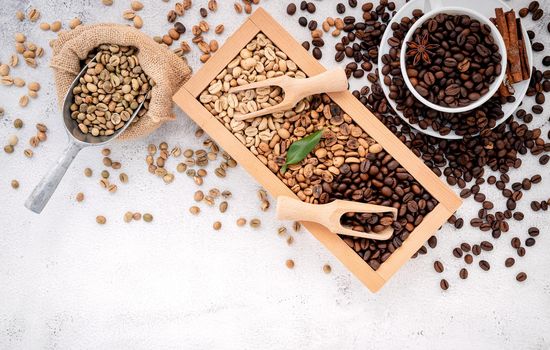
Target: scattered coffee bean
{"points": [[444, 284], [509, 262], [100, 219], [291, 9], [457, 252], [485, 266], [438, 266], [522, 276], [529, 242], [289, 263], [487, 246], [533, 231], [463, 273], [317, 53]]}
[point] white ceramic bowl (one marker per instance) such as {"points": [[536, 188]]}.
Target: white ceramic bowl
{"points": [[455, 11]]}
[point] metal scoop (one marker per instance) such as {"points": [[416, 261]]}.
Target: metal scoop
{"points": [[333, 80], [77, 140], [329, 215]]}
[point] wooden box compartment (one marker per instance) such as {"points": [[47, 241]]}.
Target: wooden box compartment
{"points": [[260, 21]]}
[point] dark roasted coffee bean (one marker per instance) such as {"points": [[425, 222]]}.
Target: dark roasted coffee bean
{"points": [[179, 27], [518, 216], [317, 53], [487, 246], [459, 223], [543, 160], [432, 242], [516, 243], [476, 249], [521, 251], [340, 8], [529, 242], [303, 5], [291, 9], [203, 12], [522, 276], [533, 231], [537, 14], [485, 266], [533, 6], [352, 3], [457, 252], [306, 45], [444, 284], [302, 21], [468, 259], [463, 273], [465, 247], [311, 7], [537, 46], [509, 262], [438, 266], [523, 12]]}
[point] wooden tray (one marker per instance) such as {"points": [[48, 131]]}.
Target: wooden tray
{"points": [[261, 21]]}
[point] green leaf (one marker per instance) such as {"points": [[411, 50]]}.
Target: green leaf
{"points": [[301, 148]]}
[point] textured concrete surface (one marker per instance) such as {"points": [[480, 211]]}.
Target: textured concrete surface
{"points": [[67, 283]]}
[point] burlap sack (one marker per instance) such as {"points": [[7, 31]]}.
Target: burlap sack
{"points": [[168, 70]]}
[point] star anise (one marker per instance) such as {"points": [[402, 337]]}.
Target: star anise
{"points": [[420, 49]]}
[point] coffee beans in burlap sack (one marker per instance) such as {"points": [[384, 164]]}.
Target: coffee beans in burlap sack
{"points": [[168, 71]]}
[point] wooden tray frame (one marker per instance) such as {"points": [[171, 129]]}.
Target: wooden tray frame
{"points": [[261, 21]]}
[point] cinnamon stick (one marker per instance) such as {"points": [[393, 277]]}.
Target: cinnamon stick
{"points": [[502, 26], [525, 66], [513, 48], [503, 29]]}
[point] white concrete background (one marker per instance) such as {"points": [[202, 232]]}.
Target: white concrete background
{"points": [[68, 283]]}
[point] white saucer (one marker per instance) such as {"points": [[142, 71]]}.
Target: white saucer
{"points": [[485, 8]]}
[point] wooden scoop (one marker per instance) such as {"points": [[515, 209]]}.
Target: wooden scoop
{"points": [[333, 80], [329, 215]]}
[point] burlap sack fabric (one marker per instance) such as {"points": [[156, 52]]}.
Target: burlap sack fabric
{"points": [[168, 70]]}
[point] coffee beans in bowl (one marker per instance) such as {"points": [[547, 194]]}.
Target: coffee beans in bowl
{"points": [[454, 61]]}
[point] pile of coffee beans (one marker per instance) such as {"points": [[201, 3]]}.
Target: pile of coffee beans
{"points": [[463, 163], [381, 180], [367, 222], [363, 36], [112, 89], [453, 60]]}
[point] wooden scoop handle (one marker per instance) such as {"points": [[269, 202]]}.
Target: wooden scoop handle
{"points": [[332, 80], [329, 215], [294, 209]]}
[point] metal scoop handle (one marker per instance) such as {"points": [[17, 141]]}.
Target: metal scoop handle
{"points": [[46, 187]]}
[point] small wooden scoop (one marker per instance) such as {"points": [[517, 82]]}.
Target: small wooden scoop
{"points": [[329, 215], [333, 80]]}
